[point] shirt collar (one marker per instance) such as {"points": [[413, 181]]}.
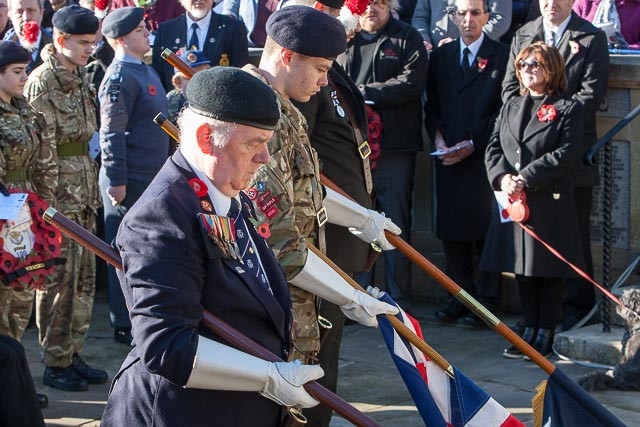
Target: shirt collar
{"points": [[125, 57], [221, 202], [473, 47], [559, 30], [203, 25]]}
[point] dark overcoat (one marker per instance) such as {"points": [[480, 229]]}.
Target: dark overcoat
{"points": [[226, 39], [586, 57], [543, 153], [464, 109], [174, 271], [329, 116]]}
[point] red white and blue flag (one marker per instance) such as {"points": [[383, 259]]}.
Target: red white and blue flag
{"points": [[440, 400]]}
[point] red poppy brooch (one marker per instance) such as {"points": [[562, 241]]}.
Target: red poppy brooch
{"points": [[482, 63], [546, 113]]}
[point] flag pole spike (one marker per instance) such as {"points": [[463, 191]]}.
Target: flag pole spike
{"points": [[400, 327]]}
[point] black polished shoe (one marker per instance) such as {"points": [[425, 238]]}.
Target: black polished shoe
{"points": [[528, 335], [451, 313], [43, 400], [123, 336], [66, 379], [92, 375]]}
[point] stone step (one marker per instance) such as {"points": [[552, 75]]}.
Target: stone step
{"points": [[591, 344]]}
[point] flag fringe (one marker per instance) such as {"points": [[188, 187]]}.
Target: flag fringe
{"points": [[537, 403]]}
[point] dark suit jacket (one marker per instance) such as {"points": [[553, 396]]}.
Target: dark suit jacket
{"points": [[44, 40], [226, 36], [333, 137], [172, 272], [544, 154], [464, 109], [584, 49]]}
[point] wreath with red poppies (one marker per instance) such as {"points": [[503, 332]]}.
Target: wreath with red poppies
{"points": [[36, 269]]}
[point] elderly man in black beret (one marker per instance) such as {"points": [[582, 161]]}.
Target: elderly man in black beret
{"points": [[130, 96], [58, 89], [301, 45], [181, 257]]}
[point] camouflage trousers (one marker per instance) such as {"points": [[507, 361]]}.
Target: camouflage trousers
{"points": [[15, 311], [64, 307], [306, 332]]}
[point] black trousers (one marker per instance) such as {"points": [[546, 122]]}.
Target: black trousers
{"points": [[18, 403], [541, 298], [580, 294]]}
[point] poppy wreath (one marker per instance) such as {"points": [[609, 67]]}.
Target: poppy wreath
{"points": [[36, 269]]}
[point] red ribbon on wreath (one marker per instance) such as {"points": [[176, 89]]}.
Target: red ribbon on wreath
{"points": [[36, 269], [375, 134]]}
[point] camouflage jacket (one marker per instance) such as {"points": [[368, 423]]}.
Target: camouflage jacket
{"points": [[288, 195], [21, 149], [68, 105]]}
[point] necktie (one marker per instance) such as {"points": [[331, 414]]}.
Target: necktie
{"points": [[553, 40], [464, 65], [193, 42], [247, 249]]}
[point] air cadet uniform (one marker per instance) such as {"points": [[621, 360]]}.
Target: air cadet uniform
{"points": [[67, 103], [133, 147]]}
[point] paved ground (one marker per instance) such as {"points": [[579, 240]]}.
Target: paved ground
{"points": [[368, 379]]}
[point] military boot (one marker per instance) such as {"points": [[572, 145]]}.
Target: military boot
{"points": [[93, 376], [64, 379]]}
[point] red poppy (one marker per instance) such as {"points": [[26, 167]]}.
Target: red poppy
{"points": [[375, 134], [264, 231], [46, 246], [199, 187], [482, 63], [546, 113], [152, 90]]}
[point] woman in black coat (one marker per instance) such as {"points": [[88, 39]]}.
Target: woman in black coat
{"points": [[535, 143]]}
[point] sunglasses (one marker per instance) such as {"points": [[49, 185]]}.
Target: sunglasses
{"points": [[532, 65], [474, 13]]}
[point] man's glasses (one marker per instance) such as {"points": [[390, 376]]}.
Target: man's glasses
{"points": [[532, 65], [475, 13]]}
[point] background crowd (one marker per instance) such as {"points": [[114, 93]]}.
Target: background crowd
{"points": [[506, 91]]}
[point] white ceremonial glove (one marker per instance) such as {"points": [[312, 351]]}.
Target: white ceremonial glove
{"points": [[320, 279], [220, 367], [369, 225]]}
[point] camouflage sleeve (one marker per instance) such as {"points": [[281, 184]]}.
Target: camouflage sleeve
{"points": [[272, 193], [45, 172]]}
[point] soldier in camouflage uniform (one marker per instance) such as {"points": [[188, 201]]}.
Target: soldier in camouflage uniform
{"points": [[287, 192], [58, 90]]}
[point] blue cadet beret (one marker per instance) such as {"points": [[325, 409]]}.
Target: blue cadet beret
{"points": [[194, 58], [75, 20], [122, 21], [307, 31], [13, 53], [232, 95]]}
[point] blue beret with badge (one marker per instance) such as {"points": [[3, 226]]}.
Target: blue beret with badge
{"points": [[75, 20], [194, 58], [307, 31], [122, 21]]}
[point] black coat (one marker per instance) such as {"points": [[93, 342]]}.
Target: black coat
{"points": [[461, 110], [544, 154], [585, 53], [226, 36], [174, 271], [400, 65]]}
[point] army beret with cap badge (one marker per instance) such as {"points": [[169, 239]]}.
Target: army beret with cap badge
{"points": [[75, 20], [122, 21], [232, 95], [307, 31], [13, 53]]}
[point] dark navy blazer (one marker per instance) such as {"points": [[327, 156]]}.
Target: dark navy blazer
{"points": [[172, 272]]}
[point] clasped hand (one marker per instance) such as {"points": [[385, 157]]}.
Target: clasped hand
{"points": [[512, 184]]}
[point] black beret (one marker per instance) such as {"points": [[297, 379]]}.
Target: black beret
{"points": [[307, 31], [232, 95], [336, 4], [122, 21], [75, 20], [13, 53]]}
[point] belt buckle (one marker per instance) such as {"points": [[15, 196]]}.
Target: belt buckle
{"points": [[364, 150], [322, 216]]}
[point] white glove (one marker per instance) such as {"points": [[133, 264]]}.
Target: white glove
{"points": [[320, 279], [220, 367], [369, 225]]}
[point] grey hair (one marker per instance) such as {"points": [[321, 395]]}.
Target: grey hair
{"points": [[189, 120]]}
